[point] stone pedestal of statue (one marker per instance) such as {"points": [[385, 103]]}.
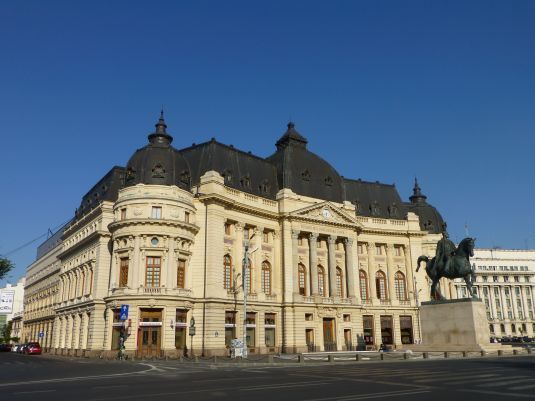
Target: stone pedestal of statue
{"points": [[454, 325]]}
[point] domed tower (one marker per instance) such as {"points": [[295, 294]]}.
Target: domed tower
{"points": [[153, 232], [158, 163], [430, 218], [302, 171]]}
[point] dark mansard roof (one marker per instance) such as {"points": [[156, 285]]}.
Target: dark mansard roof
{"points": [[292, 166]]}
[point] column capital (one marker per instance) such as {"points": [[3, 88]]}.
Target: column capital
{"points": [[313, 236], [348, 241], [238, 226], [295, 234], [331, 239], [275, 234]]}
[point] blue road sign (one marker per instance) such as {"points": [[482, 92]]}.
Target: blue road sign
{"points": [[41, 334], [123, 315]]}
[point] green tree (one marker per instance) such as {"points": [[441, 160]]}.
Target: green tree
{"points": [[5, 267], [6, 332]]}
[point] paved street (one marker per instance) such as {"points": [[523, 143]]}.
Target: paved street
{"points": [[46, 378]]}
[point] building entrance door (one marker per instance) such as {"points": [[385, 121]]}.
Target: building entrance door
{"points": [[150, 332], [329, 342]]}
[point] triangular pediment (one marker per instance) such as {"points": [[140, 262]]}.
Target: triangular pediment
{"points": [[325, 212]]}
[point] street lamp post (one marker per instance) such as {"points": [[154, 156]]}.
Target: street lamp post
{"points": [[416, 291]]}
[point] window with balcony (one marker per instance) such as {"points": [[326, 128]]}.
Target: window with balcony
{"points": [[380, 285], [400, 286], [302, 278], [266, 278], [181, 274], [363, 284], [227, 272], [123, 272]]}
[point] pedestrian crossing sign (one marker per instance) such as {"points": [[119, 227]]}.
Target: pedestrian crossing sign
{"points": [[123, 314]]}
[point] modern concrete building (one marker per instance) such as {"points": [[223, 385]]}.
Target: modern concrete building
{"points": [[330, 260], [11, 301]]}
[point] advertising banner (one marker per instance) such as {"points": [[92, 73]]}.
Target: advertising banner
{"points": [[6, 302]]}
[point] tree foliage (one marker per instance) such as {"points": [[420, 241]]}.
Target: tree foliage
{"points": [[5, 267]]}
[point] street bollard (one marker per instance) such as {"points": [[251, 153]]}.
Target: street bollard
{"points": [[483, 353], [500, 352], [515, 352], [270, 358], [357, 357], [446, 354], [405, 355], [301, 358], [529, 349], [426, 355], [215, 359], [196, 359], [464, 354]]}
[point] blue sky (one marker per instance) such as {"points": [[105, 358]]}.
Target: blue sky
{"points": [[383, 90]]}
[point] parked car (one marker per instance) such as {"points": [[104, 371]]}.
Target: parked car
{"points": [[15, 347], [33, 348], [20, 349], [5, 347]]}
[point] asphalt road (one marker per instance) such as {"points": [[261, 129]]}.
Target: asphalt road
{"points": [[41, 378]]}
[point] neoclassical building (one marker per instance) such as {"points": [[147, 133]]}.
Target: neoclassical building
{"points": [[505, 281], [330, 260]]}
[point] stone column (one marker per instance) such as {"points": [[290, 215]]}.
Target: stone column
{"points": [[370, 271], [295, 260], [237, 263], [492, 302], [525, 310], [83, 332], [410, 274], [332, 266], [256, 282], [276, 269], [68, 332], [390, 271], [313, 261], [513, 301], [57, 326], [350, 273], [75, 336]]}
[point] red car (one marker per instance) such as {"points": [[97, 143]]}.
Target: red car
{"points": [[33, 348]]}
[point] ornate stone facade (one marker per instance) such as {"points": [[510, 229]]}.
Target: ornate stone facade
{"points": [[327, 271]]}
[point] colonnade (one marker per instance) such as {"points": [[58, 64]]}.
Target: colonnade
{"points": [[72, 331], [76, 282]]}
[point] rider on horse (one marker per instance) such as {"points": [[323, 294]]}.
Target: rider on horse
{"points": [[445, 250]]}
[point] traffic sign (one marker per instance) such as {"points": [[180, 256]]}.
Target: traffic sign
{"points": [[41, 334], [192, 330], [123, 314]]}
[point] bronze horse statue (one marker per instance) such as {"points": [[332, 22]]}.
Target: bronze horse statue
{"points": [[458, 267]]}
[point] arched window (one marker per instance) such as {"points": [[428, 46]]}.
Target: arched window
{"points": [[339, 287], [363, 281], [302, 271], [400, 287], [248, 279], [181, 274], [380, 285], [321, 280], [266, 277], [227, 272]]}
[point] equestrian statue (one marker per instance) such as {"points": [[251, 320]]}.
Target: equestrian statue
{"points": [[450, 262]]}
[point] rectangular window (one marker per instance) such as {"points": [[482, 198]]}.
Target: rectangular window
{"points": [[118, 330], [152, 276], [180, 328], [227, 228], [251, 329], [123, 272], [397, 251], [230, 326], [495, 279], [378, 250], [186, 217], [386, 330], [269, 322], [405, 326], [123, 214], [496, 292], [156, 212], [265, 237], [367, 324], [300, 241], [360, 248], [347, 317], [309, 317], [181, 274]]}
